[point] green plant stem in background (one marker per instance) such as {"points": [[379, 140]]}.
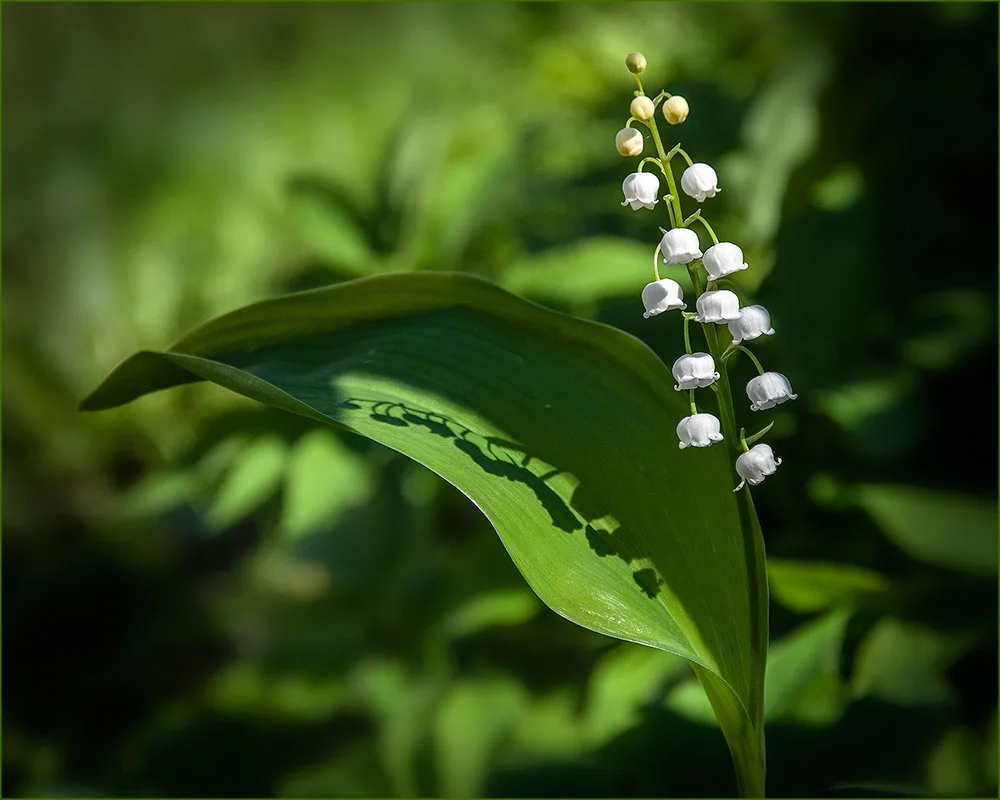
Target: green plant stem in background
{"points": [[750, 766]]}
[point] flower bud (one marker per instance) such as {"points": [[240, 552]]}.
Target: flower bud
{"points": [[756, 464], [636, 62], [675, 110], [680, 246], [641, 190], [723, 259], [754, 321], [769, 390], [698, 430], [662, 295], [642, 108], [694, 371], [719, 305], [700, 181], [629, 142]]}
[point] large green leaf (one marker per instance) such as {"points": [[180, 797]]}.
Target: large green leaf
{"points": [[560, 430]]}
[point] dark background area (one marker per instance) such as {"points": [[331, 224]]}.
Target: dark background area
{"points": [[188, 611]]}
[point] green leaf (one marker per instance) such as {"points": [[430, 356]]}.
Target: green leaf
{"points": [[954, 768], [244, 688], [324, 478], [593, 269], [802, 677], [255, 477], [809, 586], [905, 664], [624, 681], [326, 228], [470, 723], [501, 607], [401, 703], [550, 728], [560, 430], [803, 683], [948, 530]]}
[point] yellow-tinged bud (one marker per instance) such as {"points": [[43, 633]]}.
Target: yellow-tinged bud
{"points": [[642, 108], [629, 142], [675, 110], [636, 62]]}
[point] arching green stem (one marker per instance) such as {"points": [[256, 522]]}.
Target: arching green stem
{"points": [[685, 156], [697, 216], [654, 159], [743, 439], [734, 347]]}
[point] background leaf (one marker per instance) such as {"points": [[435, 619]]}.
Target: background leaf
{"points": [[945, 529], [809, 586], [256, 475], [906, 664], [802, 681]]}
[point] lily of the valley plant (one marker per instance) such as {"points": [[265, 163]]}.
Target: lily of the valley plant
{"points": [[720, 309], [555, 426]]}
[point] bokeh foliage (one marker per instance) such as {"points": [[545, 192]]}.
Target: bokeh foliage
{"points": [[203, 597]]}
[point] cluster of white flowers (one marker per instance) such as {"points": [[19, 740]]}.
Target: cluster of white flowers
{"points": [[680, 246]]}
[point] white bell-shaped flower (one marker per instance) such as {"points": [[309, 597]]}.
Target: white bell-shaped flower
{"points": [[769, 390], [700, 182], [698, 430], [680, 246], [662, 295], [694, 371], [719, 305], [723, 259], [641, 189], [756, 464], [754, 321]]}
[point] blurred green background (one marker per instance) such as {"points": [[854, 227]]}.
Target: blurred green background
{"points": [[202, 597]]}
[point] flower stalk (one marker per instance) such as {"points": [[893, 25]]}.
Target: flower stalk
{"points": [[719, 307]]}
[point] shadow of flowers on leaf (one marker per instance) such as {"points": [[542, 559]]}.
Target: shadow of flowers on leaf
{"points": [[507, 459]]}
